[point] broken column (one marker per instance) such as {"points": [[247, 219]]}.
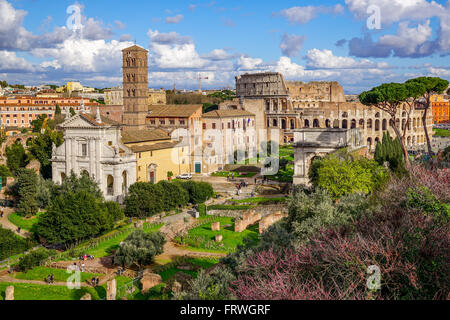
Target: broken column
{"points": [[215, 226], [9, 293], [111, 290]]}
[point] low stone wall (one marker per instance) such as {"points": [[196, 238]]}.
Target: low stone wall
{"points": [[248, 218], [269, 220]]}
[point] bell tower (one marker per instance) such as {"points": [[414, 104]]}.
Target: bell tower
{"points": [[135, 87]]}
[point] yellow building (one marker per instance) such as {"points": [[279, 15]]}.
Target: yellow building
{"points": [[156, 155], [74, 86]]}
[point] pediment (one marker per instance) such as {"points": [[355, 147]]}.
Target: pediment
{"points": [[77, 122]]}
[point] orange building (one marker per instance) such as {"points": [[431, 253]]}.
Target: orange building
{"points": [[19, 112], [440, 109]]}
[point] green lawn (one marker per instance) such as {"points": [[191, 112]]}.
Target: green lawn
{"points": [[25, 291], [108, 246], [441, 132], [203, 238], [24, 223], [60, 275]]}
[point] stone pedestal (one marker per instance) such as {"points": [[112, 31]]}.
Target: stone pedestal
{"points": [[150, 280], [215, 226], [87, 296], [9, 293], [219, 238], [111, 290]]}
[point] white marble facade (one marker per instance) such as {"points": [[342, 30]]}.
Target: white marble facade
{"points": [[93, 144]]}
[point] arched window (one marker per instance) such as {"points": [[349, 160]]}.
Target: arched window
{"points": [[384, 125], [328, 123], [353, 124], [369, 143], [344, 124], [275, 123], [110, 185], [361, 123], [306, 123], [369, 124], [336, 124], [292, 124], [377, 115], [377, 125], [403, 124], [316, 123], [344, 115], [283, 124]]}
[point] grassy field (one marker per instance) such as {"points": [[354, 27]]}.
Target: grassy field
{"points": [[441, 132], [60, 275], [24, 223], [25, 291], [203, 237], [108, 246]]}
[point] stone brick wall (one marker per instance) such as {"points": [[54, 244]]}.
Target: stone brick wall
{"points": [[269, 220]]}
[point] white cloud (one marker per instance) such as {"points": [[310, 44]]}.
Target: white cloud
{"points": [[302, 15], [82, 55], [408, 41], [439, 72], [12, 34], [10, 62], [120, 25], [176, 19], [249, 63], [291, 44], [325, 59]]}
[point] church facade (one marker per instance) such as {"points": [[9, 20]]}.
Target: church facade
{"points": [[93, 144]]}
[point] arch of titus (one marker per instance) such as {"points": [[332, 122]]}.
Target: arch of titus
{"points": [[310, 143]]}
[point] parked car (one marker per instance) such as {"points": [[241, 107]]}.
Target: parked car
{"points": [[185, 176]]}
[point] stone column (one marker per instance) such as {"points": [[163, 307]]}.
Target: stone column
{"points": [[9, 293], [68, 145], [73, 158], [111, 290], [92, 159], [98, 159], [117, 181]]}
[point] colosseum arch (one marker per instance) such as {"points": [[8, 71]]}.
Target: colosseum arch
{"points": [[361, 123], [344, 124], [384, 125], [336, 124], [316, 123], [369, 124], [328, 123], [306, 123], [353, 126], [377, 125]]}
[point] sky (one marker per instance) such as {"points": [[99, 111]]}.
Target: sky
{"points": [[359, 43]]}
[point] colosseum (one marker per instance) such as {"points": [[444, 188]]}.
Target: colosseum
{"points": [[296, 105]]}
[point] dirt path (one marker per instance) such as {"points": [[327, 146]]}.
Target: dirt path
{"points": [[6, 224], [14, 280], [171, 251]]}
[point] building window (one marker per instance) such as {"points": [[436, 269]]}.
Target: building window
{"points": [[84, 150], [214, 125]]}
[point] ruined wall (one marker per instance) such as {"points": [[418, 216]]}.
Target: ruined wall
{"points": [[269, 220], [315, 91], [248, 218]]}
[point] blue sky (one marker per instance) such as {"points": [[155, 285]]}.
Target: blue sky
{"points": [[304, 40]]}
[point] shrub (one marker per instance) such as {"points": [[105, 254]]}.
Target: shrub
{"points": [[344, 175], [210, 286], [27, 188], [34, 259], [390, 151], [199, 192], [114, 211], [140, 248], [174, 196], [74, 216], [144, 200], [10, 244], [409, 246], [422, 199]]}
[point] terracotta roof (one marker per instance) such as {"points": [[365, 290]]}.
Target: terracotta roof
{"points": [[227, 114], [105, 121], [134, 48], [154, 147], [136, 136], [173, 110]]}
